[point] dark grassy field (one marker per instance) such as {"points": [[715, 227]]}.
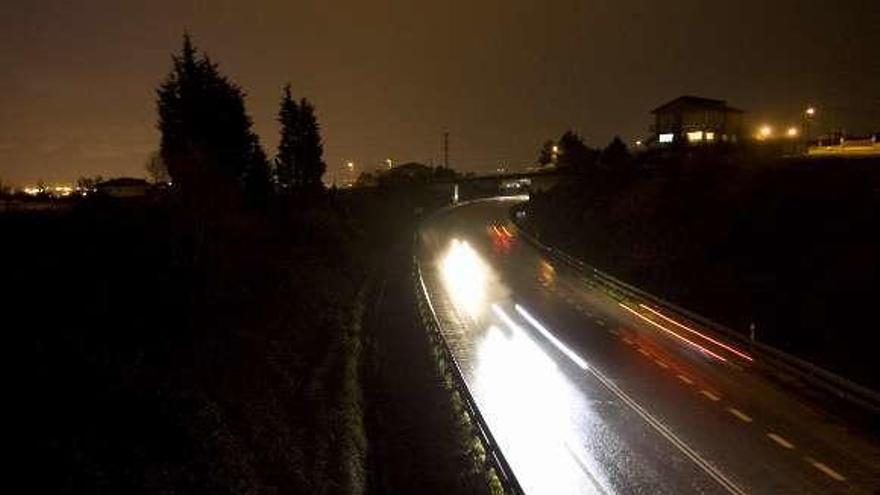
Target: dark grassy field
{"points": [[167, 357], [160, 352], [791, 245]]}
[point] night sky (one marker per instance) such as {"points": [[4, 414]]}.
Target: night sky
{"points": [[387, 77]]}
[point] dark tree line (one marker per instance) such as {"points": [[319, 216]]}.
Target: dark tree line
{"points": [[570, 152], [299, 164], [209, 147]]}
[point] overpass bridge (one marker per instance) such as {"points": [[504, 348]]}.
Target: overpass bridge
{"points": [[475, 186]]}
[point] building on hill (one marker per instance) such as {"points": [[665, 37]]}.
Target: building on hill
{"points": [[691, 120]]}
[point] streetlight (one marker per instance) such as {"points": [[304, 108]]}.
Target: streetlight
{"points": [[792, 132], [809, 114], [765, 132]]}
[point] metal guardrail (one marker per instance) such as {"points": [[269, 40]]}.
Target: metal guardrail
{"points": [[809, 372], [494, 455]]}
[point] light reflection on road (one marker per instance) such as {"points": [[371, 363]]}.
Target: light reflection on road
{"points": [[535, 412], [585, 395], [465, 278]]}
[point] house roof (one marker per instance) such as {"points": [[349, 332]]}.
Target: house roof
{"points": [[696, 102]]}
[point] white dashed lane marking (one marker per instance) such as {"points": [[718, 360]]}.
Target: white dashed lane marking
{"points": [[781, 441], [739, 414], [644, 352], [685, 379], [710, 395], [661, 364], [601, 323], [825, 469]]}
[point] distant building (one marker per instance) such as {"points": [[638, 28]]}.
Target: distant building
{"points": [[123, 187], [691, 120]]}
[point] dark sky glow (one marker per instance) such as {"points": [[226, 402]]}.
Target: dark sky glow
{"points": [[76, 88]]}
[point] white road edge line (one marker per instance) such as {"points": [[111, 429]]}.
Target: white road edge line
{"points": [[659, 427], [586, 469], [825, 469], [661, 364], [685, 379], [781, 441]]}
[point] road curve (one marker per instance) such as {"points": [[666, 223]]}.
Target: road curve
{"points": [[586, 393]]}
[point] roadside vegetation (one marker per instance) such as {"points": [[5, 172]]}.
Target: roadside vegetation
{"points": [[214, 336], [790, 245]]}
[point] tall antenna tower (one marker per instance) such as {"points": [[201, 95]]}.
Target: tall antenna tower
{"points": [[446, 149]]}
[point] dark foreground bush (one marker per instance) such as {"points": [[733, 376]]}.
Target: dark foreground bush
{"points": [[164, 354]]}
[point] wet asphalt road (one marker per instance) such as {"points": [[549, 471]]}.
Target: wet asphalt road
{"points": [[585, 395]]}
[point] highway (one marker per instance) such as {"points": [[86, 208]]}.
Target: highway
{"points": [[588, 394]]}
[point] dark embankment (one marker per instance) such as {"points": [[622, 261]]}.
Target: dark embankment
{"points": [[160, 353], [791, 245], [270, 351]]}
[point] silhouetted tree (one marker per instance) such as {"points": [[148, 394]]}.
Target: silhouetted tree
{"points": [[310, 159], [207, 141], [88, 183], [574, 154], [441, 172], [366, 179], [616, 153], [255, 179], [286, 160], [545, 156], [406, 174], [4, 189], [156, 169]]}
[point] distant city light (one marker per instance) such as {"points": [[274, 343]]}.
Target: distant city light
{"points": [[638, 142], [389, 163], [765, 132], [811, 111], [666, 137], [791, 132], [54, 191], [695, 136], [350, 165]]}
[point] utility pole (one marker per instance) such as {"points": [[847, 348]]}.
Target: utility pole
{"points": [[446, 149]]}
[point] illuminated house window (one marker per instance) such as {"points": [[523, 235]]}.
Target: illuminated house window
{"points": [[695, 136], [695, 121]]}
